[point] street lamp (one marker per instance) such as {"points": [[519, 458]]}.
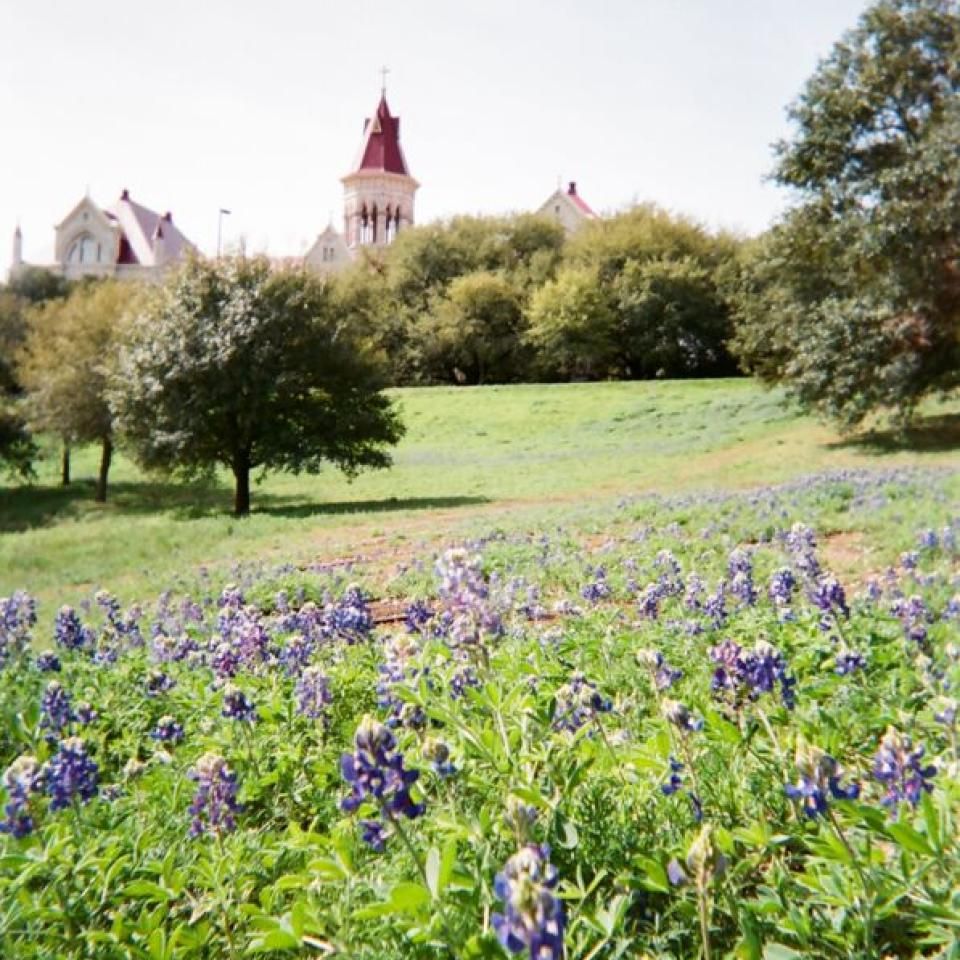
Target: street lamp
{"points": [[223, 213]]}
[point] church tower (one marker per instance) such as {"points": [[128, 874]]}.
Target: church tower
{"points": [[17, 261], [378, 193]]}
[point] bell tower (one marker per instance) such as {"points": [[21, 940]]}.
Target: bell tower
{"points": [[378, 193]]}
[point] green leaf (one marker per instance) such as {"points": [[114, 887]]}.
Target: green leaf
{"points": [[780, 951], [433, 872], [409, 897], [910, 839], [148, 890]]}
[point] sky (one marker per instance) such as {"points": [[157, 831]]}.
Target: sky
{"points": [[258, 107]]}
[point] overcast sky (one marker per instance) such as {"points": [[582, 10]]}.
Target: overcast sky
{"points": [[258, 106]]}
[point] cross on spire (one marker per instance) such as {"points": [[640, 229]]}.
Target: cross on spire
{"points": [[383, 79]]}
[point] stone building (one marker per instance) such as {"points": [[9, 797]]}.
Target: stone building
{"points": [[378, 196], [568, 208], [127, 241]]}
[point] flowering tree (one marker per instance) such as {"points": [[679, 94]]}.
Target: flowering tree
{"points": [[234, 364]]}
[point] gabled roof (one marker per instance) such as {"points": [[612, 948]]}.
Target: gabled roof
{"points": [[380, 151], [140, 227]]}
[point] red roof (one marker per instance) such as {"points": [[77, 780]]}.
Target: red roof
{"points": [[380, 150], [578, 200]]}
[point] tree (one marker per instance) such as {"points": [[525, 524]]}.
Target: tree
{"points": [[572, 326], [478, 328], [17, 448], [853, 300], [67, 359], [232, 364]]}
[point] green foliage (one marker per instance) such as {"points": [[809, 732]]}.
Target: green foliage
{"points": [[853, 300], [234, 364], [17, 447]]}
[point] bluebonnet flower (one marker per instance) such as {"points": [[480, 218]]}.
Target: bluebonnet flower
{"points": [[928, 539], [648, 603], [664, 675], [680, 716], [313, 693], [578, 702], [225, 660], [914, 616], [909, 560], [533, 920], [48, 662], [55, 708], [828, 595], [802, 544], [167, 730], [22, 779], [819, 781], [295, 654], [674, 784], [69, 632], [597, 589], [463, 677], [715, 606], [849, 661], [520, 817], [84, 713], [374, 833], [952, 609], [237, 706], [71, 773], [740, 568], [438, 753], [948, 714], [747, 674], [215, 802], [899, 765], [781, 587], [350, 619], [695, 590], [18, 615], [399, 670], [375, 772], [157, 682]]}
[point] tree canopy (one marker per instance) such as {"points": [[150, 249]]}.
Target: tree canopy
{"points": [[853, 299], [234, 364], [67, 360]]}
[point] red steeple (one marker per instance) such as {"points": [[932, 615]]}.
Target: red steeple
{"points": [[380, 150]]}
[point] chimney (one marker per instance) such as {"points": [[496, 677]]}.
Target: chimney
{"points": [[125, 195], [168, 216], [572, 189]]}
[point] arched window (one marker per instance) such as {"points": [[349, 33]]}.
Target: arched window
{"points": [[388, 226], [84, 249], [373, 232], [364, 225]]}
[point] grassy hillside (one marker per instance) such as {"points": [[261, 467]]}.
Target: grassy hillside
{"points": [[470, 454]]}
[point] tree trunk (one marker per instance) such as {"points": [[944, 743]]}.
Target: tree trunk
{"points": [[106, 455], [65, 465], [241, 473]]}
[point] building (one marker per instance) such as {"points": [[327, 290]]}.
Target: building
{"points": [[568, 208], [128, 242], [378, 195]]}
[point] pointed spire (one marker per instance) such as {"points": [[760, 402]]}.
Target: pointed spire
{"points": [[380, 150]]}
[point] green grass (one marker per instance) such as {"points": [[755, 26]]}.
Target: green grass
{"points": [[470, 454]]}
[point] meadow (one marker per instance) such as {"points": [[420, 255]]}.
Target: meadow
{"points": [[471, 456], [596, 671]]}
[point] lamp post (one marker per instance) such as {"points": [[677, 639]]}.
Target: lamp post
{"points": [[223, 213]]}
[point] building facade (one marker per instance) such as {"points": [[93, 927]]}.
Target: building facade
{"points": [[567, 208], [127, 241]]}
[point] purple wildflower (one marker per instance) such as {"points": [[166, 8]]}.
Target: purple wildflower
{"points": [[819, 780], [71, 773], [158, 682], [22, 779], [55, 708], [533, 920], [167, 730], [215, 801], [679, 715], [18, 615], [899, 765], [828, 595], [69, 632], [48, 662], [577, 702], [849, 661], [313, 693], [375, 772], [237, 706], [597, 589]]}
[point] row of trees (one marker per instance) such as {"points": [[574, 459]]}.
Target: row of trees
{"points": [[480, 300]]}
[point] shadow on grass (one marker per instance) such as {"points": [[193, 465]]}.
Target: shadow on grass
{"points": [[298, 509], [30, 507], [933, 434]]}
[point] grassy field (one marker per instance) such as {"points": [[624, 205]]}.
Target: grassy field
{"points": [[471, 455]]}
